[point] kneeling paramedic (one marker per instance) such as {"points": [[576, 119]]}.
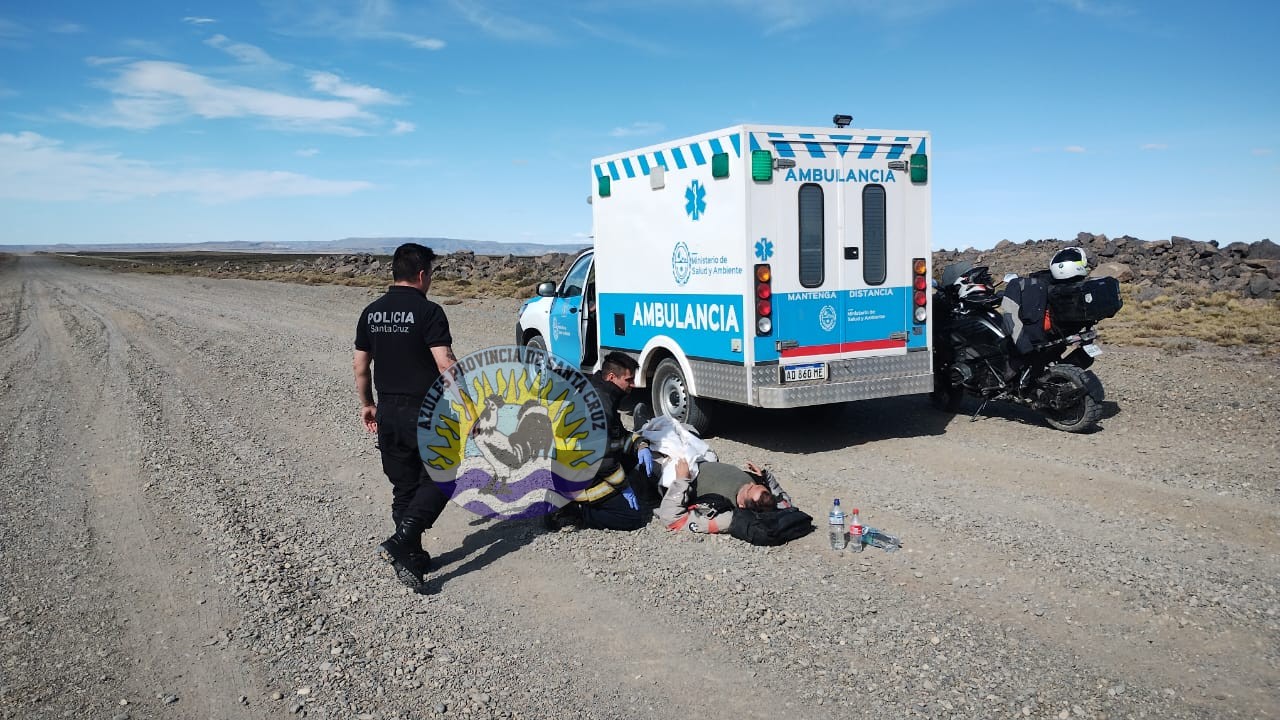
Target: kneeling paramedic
{"points": [[609, 502]]}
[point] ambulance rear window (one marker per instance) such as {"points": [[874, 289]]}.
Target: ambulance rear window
{"points": [[874, 235], [811, 235]]}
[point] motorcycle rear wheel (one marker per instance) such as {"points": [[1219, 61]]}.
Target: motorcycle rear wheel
{"points": [[1082, 412]]}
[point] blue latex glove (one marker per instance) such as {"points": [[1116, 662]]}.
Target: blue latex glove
{"points": [[630, 496], [645, 456]]}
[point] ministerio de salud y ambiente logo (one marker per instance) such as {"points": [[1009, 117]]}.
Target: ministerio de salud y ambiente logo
{"points": [[513, 432]]}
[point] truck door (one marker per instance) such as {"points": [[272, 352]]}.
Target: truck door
{"points": [[567, 318], [875, 271], [841, 281]]}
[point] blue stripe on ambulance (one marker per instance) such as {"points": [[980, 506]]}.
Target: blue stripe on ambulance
{"points": [[815, 150], [716, 147], [899, 146], [869, 149], [737, 144], [697, 154], [644, 164], [679, 157], [704, 326], [861, 315], [626, 165], [613, 170]]}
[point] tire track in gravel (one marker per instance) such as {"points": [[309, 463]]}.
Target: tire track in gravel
{"points": [[392, 652], [150, 560], [631, 647]]}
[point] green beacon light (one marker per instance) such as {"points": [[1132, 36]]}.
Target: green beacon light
{"points": [[761, 165], [720, 165], [919, 168], [604, 186]]}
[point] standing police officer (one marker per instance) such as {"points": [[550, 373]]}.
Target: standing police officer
{"points": [[407, 337]]}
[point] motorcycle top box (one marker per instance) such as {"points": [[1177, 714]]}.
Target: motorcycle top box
{"points": [[1085, 302]]}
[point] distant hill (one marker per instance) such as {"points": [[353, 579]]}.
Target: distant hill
{"points": [[377, 246]]}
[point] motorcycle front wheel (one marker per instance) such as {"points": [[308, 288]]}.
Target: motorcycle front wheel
{"points": [[1066, 402]]}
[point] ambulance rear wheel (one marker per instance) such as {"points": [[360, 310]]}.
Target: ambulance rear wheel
{"points": [[671, 397]]}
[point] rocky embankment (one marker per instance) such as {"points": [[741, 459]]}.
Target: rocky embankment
{"points": [[1154, 267], [1251, 270]]}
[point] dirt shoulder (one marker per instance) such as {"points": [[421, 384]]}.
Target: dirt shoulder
{"points": [[190, 511]]}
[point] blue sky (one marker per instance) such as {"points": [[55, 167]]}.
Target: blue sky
{"points": [[316, 120]]}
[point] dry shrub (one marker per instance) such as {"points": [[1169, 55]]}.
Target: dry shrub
{"points": [[1178, 320]]}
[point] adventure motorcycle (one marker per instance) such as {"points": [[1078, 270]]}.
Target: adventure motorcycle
{"points": [[1031, 344]]}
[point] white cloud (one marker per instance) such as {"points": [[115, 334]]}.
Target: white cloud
{"points": [[151, 93], [33, 167], [1073, 149], [505, 27], [637, 128], [244, 52], [307, 152], [193, 20], [1155, 146], [615, 36], [403, 127], [365, 20], [98, 61], [68, 28], [331, 84], [1260, 152], [1097, 8]]}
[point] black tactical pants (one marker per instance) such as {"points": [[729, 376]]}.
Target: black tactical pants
{"points": [[413, 493]]}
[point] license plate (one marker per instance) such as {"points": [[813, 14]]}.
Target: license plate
{"points": [[1092, 350], [797, 373]]}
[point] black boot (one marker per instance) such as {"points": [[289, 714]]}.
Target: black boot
{"points": [[404, 552]]}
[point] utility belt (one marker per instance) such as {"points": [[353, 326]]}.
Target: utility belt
{"points": [[603, 488]]}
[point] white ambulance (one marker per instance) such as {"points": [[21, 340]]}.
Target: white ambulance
{"points": [[758, 265]]}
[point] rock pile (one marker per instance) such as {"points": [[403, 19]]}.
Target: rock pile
{"points": [[1251, 270], [1175, 265]]}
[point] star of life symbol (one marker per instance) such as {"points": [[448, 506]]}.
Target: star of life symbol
{"points": [[695, 197], [512, 432], [827, 318], [764, 249]]}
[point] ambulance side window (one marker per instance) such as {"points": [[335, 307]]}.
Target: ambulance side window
{"points": [[576, 279], [874, 235], [812, 241]]}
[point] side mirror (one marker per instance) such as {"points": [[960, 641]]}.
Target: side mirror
{"points": [[546, 289]]}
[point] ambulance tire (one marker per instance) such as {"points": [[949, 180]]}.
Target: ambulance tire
{"points": [[670, 395], [536, 342]]}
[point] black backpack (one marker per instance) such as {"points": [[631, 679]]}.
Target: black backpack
{"points": [[772, 527]]}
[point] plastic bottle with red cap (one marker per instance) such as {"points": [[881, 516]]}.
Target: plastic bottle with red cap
{"points": [[855, 531]]}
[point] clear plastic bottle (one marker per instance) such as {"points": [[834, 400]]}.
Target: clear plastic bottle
{"points": [[835, 524], [855, 532]]}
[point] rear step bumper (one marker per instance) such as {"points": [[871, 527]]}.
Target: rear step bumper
{"points": [[848, 380]]}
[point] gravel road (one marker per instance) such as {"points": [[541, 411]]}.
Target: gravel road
{"points": [[189, 514]]}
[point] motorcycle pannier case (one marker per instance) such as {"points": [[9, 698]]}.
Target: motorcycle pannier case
{"points": [[1086, 302]]}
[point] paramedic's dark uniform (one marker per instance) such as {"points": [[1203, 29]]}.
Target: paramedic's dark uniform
{"points": [[614, 512], [399, 329]]}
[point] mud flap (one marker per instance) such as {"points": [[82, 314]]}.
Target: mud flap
{"points": [[1094, 386]]}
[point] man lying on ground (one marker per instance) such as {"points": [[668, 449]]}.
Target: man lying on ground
{"points": [[707, 504]]}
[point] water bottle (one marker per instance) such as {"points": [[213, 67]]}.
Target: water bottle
{"points": [[855, 531], [835, 523]]}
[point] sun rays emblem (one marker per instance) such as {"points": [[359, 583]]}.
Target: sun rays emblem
{"points": [[512, 432]]}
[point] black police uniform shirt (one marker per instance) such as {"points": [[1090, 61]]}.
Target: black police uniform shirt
{"points": [[399, 329]]}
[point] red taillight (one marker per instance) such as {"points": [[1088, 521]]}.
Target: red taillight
{"points": [[764, 308], [920, 283]]}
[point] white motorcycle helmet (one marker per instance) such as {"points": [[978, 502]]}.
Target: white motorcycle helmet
{"points": [[1069, 263]]}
